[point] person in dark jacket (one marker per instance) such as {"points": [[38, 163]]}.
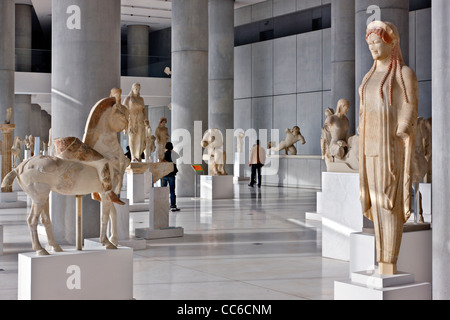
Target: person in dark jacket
{"points": [[170, 178]]}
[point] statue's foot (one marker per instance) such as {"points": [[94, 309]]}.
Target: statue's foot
{"points": [[57, 248], [42, 252], [109, 246], [114, 241]]}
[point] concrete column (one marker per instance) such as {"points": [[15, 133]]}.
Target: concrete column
{"points": [[35, 127], [395, 11], [343, 55], [221, 70], [441, 148], [23, 37], [44, 126], [86, 66], [22, 115], [189, 82], [7, 53], [22, 105], [137, 44]]}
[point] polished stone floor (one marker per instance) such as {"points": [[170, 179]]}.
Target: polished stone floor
{"points": [[257, 246]]}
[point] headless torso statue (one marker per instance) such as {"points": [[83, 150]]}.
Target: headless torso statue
{"points": [[388, 113]]}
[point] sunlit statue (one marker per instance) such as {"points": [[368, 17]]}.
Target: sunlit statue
{"points": [[136, 127], [288, 144], [16, 151], [387, 119], [77, 169], [162, 137], [213, 142], [150, 145], [339, 149]]}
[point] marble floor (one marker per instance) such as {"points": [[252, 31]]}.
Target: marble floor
{"points": [[257, 246]]}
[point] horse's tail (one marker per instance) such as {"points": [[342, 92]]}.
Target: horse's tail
{"points": [[9, 179]]}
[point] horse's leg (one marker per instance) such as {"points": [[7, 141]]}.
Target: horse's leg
{"points": [[113, 224], [46, 221], [105, 210], [33, 219]]}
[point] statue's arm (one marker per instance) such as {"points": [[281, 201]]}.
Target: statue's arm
{"points": [[407, 118]]}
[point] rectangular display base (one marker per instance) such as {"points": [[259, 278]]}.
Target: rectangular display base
{"points": [[149, 234], [370, 285], [414, 256], [9, 200], [136, 244], [91, 274], [216, 187]]}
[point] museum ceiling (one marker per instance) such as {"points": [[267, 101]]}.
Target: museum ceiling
{"points": [[155, 13]]}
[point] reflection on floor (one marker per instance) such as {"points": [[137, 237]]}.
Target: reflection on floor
{"points": [[257, 246]]}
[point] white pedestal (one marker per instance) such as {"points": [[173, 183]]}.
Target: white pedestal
{"points": [[159, 207], [1, 240], [216, 187], [414, 257], [135, 187], [239, 167], [341, 213], [93, 274], [370, 285], [9, 200], [27, 154], [425, 190], [318, 214], [148, 184]]}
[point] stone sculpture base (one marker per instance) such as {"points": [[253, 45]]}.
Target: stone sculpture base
{"points": [[135, 186], [239, 167], [425, 190], [162, 233], [159, 207], [414, 257], [317, 215], [341, 213], [92, 274], [370, 285], [216, 187], [134, 243], [9, 200]]}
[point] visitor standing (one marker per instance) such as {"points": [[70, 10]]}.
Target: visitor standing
{"points": [[256, 161]]}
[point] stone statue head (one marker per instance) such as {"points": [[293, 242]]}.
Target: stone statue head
{"points": [[384, 44], [136, 89], [162, 122], [116, 93], [383, 39], [342, 107]]}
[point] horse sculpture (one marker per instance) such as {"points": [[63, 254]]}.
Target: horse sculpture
{"points": [[80, 174], [15, 151]]}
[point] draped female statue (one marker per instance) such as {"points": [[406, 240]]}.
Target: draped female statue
{"points": [[136, 127], [388, 116]]}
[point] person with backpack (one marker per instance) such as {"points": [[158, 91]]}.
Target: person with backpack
{"points": [[170, 178]]}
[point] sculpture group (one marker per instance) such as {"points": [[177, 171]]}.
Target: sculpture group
{"points": [[213, 143], [339, 150]]}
